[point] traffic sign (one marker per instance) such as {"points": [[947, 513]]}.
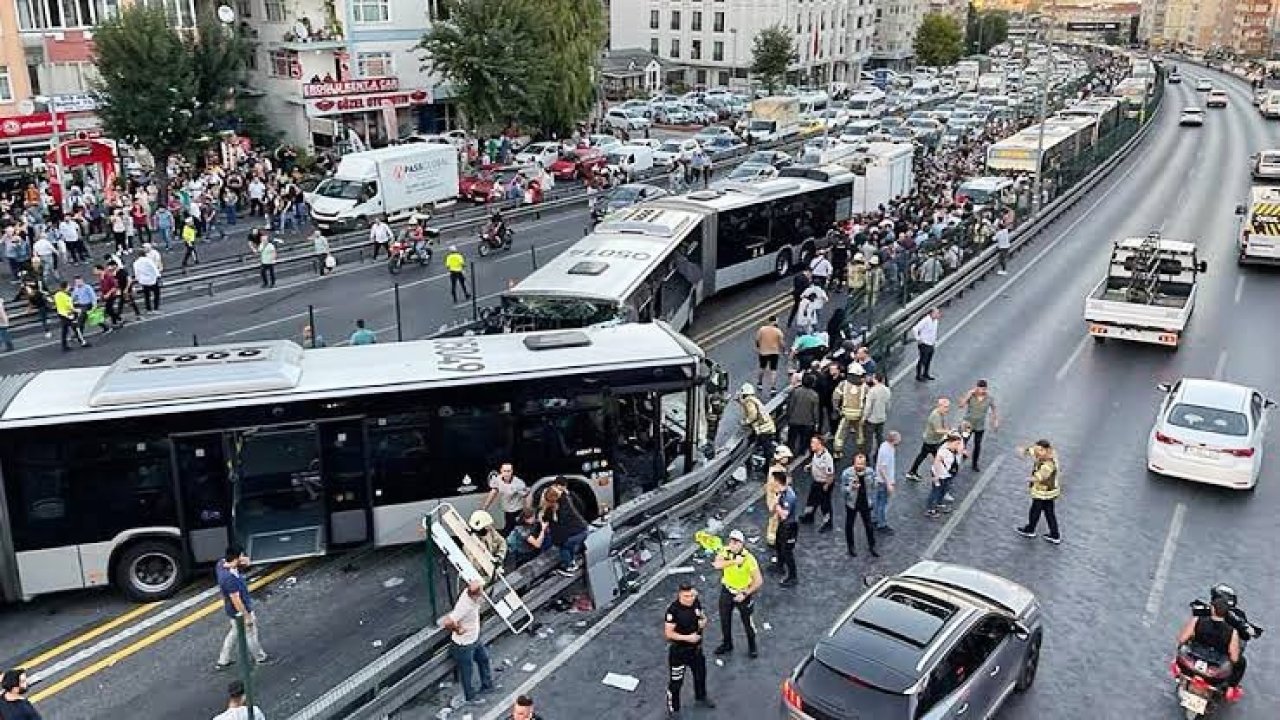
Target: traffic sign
{"points": [[1093, 26]]}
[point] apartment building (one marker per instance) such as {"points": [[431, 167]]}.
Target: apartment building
{"points": [[712, 39], [1251, 24], [896, 22], [332, 69]]}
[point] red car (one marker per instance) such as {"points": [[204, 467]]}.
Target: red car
{"points": [[576, 163], [479, 187]]}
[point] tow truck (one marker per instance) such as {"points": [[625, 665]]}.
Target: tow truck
{"points": [[1148, 293]]}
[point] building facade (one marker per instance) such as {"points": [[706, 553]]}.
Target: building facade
{"points": [[1251, 24], [712, 39], [896, 22], [345, 71]]}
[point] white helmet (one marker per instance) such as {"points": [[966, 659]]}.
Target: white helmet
{"points": [[481, 520], [747, 389]]}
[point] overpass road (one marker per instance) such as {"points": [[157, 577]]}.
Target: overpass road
{"points": [[1136, 548]]}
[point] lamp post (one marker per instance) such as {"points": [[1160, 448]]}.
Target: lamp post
{"points": [[57, 148], [1037, 187], [733, 72]]}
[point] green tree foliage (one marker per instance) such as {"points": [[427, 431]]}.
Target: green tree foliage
{"points": [[163, 89], [939, 41], [985, 30], [772, 50], [530, 61]]}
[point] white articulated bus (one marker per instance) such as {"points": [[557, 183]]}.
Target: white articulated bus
{"points": [[660, 259], [134, 473]]}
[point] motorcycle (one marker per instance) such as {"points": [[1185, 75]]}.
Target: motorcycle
{"points": [[413, 245], [1201, 674], [491, 239]]}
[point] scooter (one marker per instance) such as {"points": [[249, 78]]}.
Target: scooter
{"points": [[1201, 675], [413, 245], [491, 239]]}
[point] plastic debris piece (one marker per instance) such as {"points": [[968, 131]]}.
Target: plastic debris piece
{"points": [[767, 626], [528, 667], [622, 682], [507, 662], [290, 581], [392, 582], [681, 570], [580, 623], [401, 599], [444, 713], [377, 643], [719, 662]]}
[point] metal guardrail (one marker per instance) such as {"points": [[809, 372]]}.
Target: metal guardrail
{"points": [[419, 661], [893, 331]]}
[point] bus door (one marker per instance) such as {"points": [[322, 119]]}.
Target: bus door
{"points": [[346, 482], [278, 493], [203, 480]]}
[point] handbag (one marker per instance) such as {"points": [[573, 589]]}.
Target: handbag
{"points": [[97, 316]]}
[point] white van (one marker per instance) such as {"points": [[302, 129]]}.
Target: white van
{"points": [[634, 158], [1270, 107], [866, 105], [923, 90]]}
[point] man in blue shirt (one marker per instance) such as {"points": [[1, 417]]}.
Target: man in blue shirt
{"points": [[363, 335], [237, 604], [83, 298]]}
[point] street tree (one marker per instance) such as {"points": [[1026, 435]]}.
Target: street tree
{"points": [[939, 41], [484, 51], [772, 51], [569, 42], [147, 87], [984, 29], [162, 89]]}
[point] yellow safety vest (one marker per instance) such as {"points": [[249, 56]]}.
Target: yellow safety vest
{"points": [[454, 262], [737, 578]]}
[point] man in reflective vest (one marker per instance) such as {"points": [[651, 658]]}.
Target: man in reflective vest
{"points": [[739, 582], [849, 399], [758, 420]]}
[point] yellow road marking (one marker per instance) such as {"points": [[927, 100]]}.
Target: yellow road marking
{"points": [[91, 634], [157, 636], [727, 330]]}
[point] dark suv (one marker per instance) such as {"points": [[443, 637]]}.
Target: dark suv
{"points": [[938, 641]]}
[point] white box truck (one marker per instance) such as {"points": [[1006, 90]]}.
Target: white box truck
{"points": [[393, 182], [1148, 293], [774, 118], [887, 172]]}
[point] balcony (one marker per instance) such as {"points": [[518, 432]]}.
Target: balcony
{"points": [[306, 35]]}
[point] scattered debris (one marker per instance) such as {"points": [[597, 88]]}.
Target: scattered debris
{"points": [[402, 599], [719, 662], [392, 582], [506, 662], [767, 626], [753, 540], [583, 603], [444, 713], [681, 570], [290, 581], [622, 682], [528, 667], [580, 624], [377, 643]]}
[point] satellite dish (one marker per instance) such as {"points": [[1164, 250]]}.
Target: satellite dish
{"points": [[226, 14], [300, 31]]}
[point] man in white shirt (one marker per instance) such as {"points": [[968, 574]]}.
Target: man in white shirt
{"points": [[146, 274], [48, 254], [257, 192], [822, 467], [946, 463], [464, 624], [381, 236], [886, 471], [1003, 243], [821, 268], [511, 493], [925, 334], [237, 706]]}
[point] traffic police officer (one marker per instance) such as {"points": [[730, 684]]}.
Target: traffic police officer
{"points": [[740, 580], [685, 623]]}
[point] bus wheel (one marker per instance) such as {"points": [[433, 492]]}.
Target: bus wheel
{"points": [[150, 570], [782, 265]]}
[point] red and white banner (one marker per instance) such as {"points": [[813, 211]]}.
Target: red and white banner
{"points": [[34, 125], [364, 86], [320, 107]]}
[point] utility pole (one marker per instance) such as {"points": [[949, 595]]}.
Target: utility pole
{"points": [[1038, 186]]}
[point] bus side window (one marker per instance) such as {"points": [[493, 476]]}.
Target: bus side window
{"points": [[470, 441], [39, 490], [127, 481], [400, 459], [555, 430]]}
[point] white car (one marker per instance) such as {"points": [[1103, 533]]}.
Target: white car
{"points": [[1203, 85], [674, 150], [456, 138], [540, 153], [1211, 432], [1191, 116], [602, 141], [1216, 99]]}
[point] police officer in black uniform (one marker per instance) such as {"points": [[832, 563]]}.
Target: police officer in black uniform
{"points": [[685, 623]]}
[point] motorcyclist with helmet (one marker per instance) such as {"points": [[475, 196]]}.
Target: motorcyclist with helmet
{"points": [[1220, 631], [498, 229]]}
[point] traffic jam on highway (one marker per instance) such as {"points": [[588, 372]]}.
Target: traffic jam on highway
{"points": [[679, 353]]}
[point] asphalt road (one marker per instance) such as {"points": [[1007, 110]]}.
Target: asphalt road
{"points": [[1111, 612]]}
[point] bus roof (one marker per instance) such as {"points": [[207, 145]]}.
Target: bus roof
{"points": [[162, 382], [610, 262], [731, 195]]}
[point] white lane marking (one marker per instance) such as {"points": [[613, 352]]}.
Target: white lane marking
{"points": [[1165, 565], [572, 649], [269, 323], [116, 638], [1221, 367], [969, 500], [1102, 197], [1066, 366], [522, 255], [1239, 288]]}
